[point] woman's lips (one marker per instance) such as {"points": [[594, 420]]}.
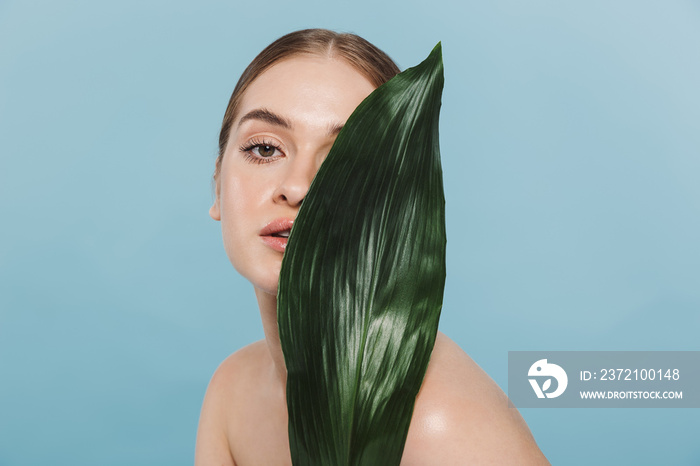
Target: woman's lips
{"points": [[271, 233], [276, 243]]}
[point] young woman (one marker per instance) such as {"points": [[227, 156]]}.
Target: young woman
{"points": [[281, 121]]}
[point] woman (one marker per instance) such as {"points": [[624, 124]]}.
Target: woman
{"points": [[281, 121]]}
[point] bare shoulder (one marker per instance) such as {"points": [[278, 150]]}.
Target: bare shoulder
{"points": [[462, 416], [240, 367], [231, 377]]}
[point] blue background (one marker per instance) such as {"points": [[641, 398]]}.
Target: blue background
{"points": [[570, 137]]}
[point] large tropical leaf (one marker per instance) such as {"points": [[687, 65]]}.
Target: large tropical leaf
{"points": [[362, 278]]}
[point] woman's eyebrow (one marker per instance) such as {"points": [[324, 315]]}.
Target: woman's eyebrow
{"points": [[333, 130], [263, 114], [267, 116]]}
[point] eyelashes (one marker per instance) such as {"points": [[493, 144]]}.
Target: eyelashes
{"points": [[261, 151]]}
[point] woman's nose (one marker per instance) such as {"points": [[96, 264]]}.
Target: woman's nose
{"points": [[296, 181]]}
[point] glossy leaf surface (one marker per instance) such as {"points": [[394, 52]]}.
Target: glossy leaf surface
{"points": [[362, 278]]}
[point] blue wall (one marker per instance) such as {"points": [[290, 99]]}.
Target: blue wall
{"points": [[570, 136]]}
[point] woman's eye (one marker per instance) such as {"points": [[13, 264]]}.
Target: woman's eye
{"points": [[264, 150], [261, 152]]}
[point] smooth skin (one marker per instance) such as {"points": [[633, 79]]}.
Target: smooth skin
{"points": [[461, 416]]}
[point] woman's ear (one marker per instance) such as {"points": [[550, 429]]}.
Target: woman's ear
{"points": [[214, 211]]}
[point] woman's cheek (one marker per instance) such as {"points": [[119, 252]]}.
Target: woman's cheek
{"points": [[243, 214], [233, 219]]}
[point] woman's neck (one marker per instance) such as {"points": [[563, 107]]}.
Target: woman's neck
{"points": [[268, 314]]}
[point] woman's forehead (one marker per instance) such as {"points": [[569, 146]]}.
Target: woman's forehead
{"points": [[309, 88]]}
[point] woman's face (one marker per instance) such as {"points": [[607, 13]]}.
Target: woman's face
{"points": [[286, 124]]}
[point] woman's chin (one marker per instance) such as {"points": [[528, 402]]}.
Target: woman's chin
{"points": [[266, 294], [270, 289], [265, 283], [262, 272]]}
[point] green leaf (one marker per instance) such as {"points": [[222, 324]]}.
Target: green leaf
{"points": [[362, 278]]}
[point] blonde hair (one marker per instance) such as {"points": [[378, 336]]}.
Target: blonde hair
{"points": [[361, 54]]}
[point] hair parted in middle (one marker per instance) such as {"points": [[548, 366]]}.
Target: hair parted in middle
{"points": [[369, 60]]}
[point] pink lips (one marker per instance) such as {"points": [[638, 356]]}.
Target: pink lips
{"points": [[270, 234]]}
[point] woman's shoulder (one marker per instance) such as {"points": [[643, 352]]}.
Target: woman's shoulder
{"points": [[462, 416], [242, 365], [243, 379], [229, 390]]}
